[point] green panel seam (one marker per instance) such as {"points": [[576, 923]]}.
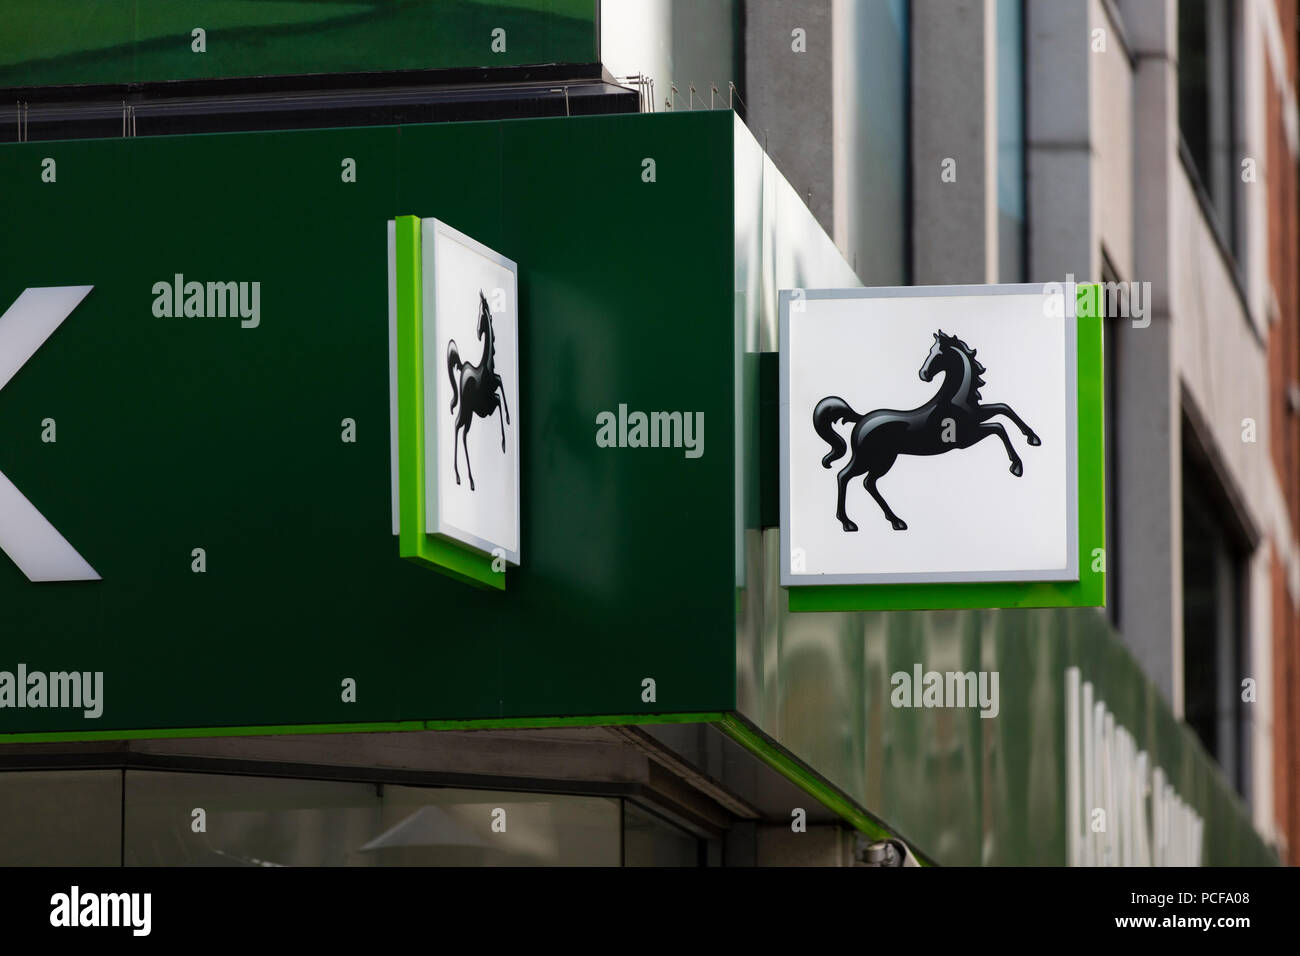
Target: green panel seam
{"points": [[810, 782]]}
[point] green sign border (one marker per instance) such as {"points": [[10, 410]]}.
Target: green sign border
{"points": [[415, 545], [1089, 590]]}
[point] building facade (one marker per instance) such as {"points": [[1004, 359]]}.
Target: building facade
{"points": [[1149, 145]]}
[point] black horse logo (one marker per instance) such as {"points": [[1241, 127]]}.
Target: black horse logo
{"points": [[475, 387], [953, 418]]}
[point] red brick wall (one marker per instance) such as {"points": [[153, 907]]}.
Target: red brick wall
{"points": [[1286, 15], [1284, 369], [1284, 264]]}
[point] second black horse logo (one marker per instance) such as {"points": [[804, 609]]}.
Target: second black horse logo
{"points": [[476, 388], [953, 418]]}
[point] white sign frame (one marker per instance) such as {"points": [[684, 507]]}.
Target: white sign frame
{"points": [[440, 516], [1069, 572]]}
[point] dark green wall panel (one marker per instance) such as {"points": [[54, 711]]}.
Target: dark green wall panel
{"points": [[176, 433]]}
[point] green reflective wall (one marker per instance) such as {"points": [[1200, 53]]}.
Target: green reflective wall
{"points": [[56, 42], [962, 789], [965, 790]]}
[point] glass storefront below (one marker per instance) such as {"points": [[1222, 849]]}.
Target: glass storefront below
{"points": [[166, 818]]}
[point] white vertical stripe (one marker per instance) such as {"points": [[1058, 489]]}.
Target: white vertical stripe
{"points": [[26, 536], [1073, 772], [34, 544], [29, 322]]}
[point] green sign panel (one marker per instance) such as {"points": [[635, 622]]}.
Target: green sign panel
{"points": [[137, 41], [209, 427]]}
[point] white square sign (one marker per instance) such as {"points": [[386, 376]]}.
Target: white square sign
{"points": [[471, 391], [928, 434]]}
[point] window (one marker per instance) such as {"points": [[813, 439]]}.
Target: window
{"points": [[876, 146], [649, 840], [1206, 39], [1011, 140], [1214, 634], [127, 817], [61, 818], [274, 821]]}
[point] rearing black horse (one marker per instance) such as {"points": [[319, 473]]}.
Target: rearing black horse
{"points": [[476, 388], [953, 418]]}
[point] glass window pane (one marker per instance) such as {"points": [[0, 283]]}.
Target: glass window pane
{"points": [[1213, 634], [61, 818], [1206, 36], [876, 195], [1011, 141], [649, 840], [250, 821], [262, 821], [423, 827]]}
